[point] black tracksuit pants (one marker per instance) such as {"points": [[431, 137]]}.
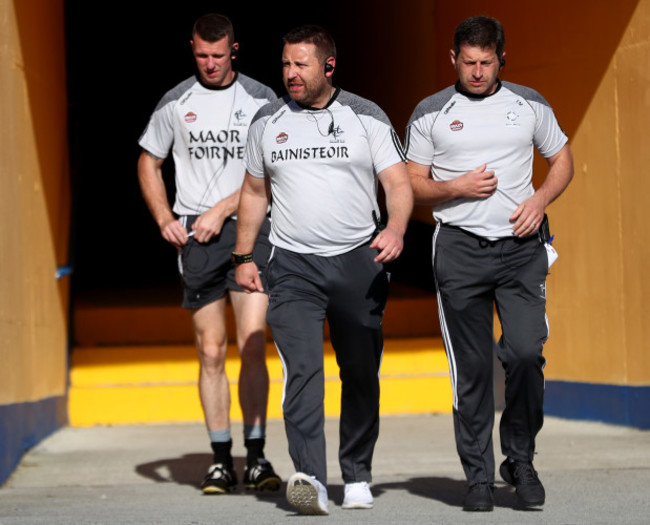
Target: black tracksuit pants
{"points": [[472, 276], [350, 290]]}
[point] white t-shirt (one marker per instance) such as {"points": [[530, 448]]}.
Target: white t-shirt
{"points": [[206, 128], [323, 166], [455, 133]]}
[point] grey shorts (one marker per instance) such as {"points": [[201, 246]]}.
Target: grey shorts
{"points": [[206, 269]]}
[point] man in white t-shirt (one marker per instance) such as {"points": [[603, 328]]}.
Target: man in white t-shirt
{"points": [[323, 152], [204, 121], [470, 155]]}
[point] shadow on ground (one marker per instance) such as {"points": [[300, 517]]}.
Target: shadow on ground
{"points": [[189, 469]]}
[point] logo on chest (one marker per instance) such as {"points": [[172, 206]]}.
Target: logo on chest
{"points": [[336, 132], [240, 118], [512, 113], [512, 118], [456, 125]]}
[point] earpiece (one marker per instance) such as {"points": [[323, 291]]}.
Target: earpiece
{"points": [[328, 67], [233, 52], [502, 61]]}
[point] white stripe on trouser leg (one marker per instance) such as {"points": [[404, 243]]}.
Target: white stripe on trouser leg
{"points": [[451, 359], [179, 260], [548, 333], [449, 349]]}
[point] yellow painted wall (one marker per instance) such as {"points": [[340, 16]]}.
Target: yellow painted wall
{"points": [[633, 158], [600, 294], [34, 201]]}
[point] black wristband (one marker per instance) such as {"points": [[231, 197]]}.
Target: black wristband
{"points": [[241, 258]]}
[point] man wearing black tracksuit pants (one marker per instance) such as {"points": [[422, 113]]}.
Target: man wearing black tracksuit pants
{"points": [[470, 155]]}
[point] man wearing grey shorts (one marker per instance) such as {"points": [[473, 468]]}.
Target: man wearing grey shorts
{"points": [[204, 121]]}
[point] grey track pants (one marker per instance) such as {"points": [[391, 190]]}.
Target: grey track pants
{"points": [[350, 290], [472, 276]]}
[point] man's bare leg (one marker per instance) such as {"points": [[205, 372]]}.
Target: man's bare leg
{"points": [[250, 316], [214, 392]]}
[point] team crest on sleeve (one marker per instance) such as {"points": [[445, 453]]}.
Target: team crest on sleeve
{"points": [[282, 138], [190, 117]]}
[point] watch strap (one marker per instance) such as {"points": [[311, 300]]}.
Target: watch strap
{"points": [[241, 258]]}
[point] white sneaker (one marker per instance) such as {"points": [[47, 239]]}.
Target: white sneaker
{"points": [[307, 494], [357, 496]]}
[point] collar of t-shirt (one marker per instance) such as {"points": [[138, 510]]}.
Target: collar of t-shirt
{"points": [[337, 90], [216, 88], [478, 97]]}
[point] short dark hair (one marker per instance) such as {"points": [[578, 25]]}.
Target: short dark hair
{"points": [[212, 27], [313, 34], [480, 31]]}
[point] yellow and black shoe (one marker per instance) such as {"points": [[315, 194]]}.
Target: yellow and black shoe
{"points": [[261, 476], [219, 480]]}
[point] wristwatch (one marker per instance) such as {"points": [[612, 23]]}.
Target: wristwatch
{"points": [[241, 258]]}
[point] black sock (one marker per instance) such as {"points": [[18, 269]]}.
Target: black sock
{"points": [[255, 450], [222, 452]]}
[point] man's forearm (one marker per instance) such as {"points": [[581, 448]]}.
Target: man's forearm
{"points": [[426, 191], [399, 197], [153, 188], [399, 205], [228, 206], [559, 175], [253, 204]]}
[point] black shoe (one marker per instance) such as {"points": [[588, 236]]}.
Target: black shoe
{"points": [[479, 498], [219, 480], [523, 477], [261, 476]]}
